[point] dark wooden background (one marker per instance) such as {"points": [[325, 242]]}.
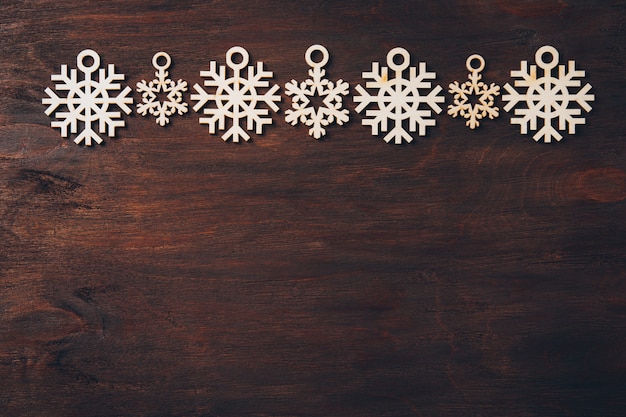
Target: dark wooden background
{"points": [[167, 273]]}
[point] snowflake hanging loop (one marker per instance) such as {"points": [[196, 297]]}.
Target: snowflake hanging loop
{"points": [[548, 97], [87, 101], [161, 84], [474, 87], [399, 99], [236, 98], [303, 110]]}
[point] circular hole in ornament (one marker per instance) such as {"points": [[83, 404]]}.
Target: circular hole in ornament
{"points": [[547, 57], [161, 60], [398, 59], [237, 57], [88, 61], [475, 63], [316, 56]]}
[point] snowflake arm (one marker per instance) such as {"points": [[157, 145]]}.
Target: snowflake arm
{"points": [[270, 98], [364, 98], [54, 101], [461, 97], [149, 103], [583, 98], [300, 110], [174, 103], [333, 102], [512, 98]]}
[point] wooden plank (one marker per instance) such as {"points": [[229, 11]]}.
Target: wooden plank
{"points": [[167, 273]]}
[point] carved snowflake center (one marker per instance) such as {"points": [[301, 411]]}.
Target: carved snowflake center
{"points": [[473, 99], [87, 97], [159, 91], [316, 100], [547, 96], [161, 95], [236, 96], [87, 105], [397, 96]]}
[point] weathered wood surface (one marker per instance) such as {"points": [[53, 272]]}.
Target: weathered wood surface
{"points": [[167, 273]]}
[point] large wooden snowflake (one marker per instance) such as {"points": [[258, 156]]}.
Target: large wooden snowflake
{"points": [[399, 99], [235, 98], [88, 101], [548, 98]]}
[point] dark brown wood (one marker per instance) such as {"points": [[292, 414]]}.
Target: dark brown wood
{"points": [[167, 273]]}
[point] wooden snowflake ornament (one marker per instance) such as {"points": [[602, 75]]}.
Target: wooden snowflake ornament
{"points": [[89, 100], [474, 88], [407, 103], [236, 98], [150, 91], [303, 110], [548, 97]]}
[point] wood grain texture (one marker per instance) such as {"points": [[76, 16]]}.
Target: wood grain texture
{"points": [[167, 273]]}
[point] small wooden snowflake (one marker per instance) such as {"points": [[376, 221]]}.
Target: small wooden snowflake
{"points": [[474, 87], [150, 103]]}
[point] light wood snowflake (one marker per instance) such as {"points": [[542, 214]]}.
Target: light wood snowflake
{"points": [[474, 88]]}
